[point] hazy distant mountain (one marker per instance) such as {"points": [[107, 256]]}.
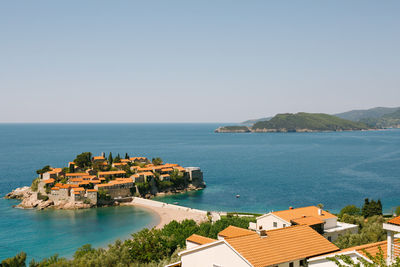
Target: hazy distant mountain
{"points": [[299, 122], [372, 113], [391, 120], [307, 122], [251, 122]]}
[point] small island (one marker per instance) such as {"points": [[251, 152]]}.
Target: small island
{"points": [[99, 181], [299, 122]]}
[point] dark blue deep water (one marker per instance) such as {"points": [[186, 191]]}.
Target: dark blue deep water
{"points": [[269, 171]]}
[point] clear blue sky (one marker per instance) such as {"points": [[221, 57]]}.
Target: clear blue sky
{"points": [[195, 61]]}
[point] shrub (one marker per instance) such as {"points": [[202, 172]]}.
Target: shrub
{"points": [[350, 210], [35, 184], [42, 197]]}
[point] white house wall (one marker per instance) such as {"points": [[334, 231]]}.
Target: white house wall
{"points": [[218, 255], [267, 222]]}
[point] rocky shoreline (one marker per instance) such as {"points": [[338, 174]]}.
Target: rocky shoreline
{"points": [[29, 199]]}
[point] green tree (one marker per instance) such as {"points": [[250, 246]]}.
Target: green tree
{"points": [[397, 211], [157, 161], [126, 156], [16, 261], [44, 169], [117, 159], [110, 159], [84, 160], [350, 210]]}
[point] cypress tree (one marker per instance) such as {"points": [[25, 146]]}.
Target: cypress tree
{"points": [[380, 211], [110, 159], [126, 156], [365, 208]]}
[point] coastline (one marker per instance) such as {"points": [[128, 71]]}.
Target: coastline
{"points": [[168, 212]]}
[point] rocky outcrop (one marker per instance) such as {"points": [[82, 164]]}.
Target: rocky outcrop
{"points": [[233, 129], [20, 193]]}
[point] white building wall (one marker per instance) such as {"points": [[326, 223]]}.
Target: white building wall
{"points": [[267, 222], [190, 245], [219, 255], [330, 223]]}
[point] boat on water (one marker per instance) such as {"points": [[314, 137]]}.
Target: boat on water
{"points": [[237, 196]]}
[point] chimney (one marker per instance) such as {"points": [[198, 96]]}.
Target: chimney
{"points": [[262, 233], [319, 211]]}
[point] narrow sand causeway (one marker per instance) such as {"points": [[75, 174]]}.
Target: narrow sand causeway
{"points": [[169, 212]]}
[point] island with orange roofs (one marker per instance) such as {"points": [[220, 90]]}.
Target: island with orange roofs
{"points": [[91, 181]]}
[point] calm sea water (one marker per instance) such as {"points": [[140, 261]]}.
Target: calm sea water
{"points": [[269, 171]]}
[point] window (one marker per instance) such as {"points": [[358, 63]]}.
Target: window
{"points": [[291, 264], [275, 224], [302, 263], [284, 225], [329, 238], [216, 265]]}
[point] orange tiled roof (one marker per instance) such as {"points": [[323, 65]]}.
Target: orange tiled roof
{"points": [[167, 169], [233, 231], [91, 190], [98, 157], [125, 160], [292, 214], [57, 170], [144, 169], [308, 220], [94, 181], [372, 248], [111, 172], [281, 245], [137, 158], [179, 168], [55, 188], [84, 183], [79, 189], [49, 181], [165, 175], [72, 174], [76, 179], [201, 240], [120, 164], [395, 221]]}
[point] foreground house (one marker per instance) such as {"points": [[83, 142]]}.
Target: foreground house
{"points": [[322, 221], [236, 247]]}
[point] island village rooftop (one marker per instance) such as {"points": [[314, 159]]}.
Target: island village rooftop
{"points": [[101, 181]]}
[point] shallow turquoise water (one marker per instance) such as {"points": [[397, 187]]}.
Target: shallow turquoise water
{"points": [[269, 171]]}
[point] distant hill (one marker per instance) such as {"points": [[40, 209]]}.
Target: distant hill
{"points": [[372, 113], [391, 120], [299, 122], [251, 122], [305, 122]]}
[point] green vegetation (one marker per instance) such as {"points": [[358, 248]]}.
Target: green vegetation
{"points": [[151, 248], [42, 197], [35, 184], [357, 115], [371, 208], [16, 261], [350, 210], [110, 159], [84, 160], [44, 169], [386, 121], [310, 121], [157, 161], [103, 195], [177, 179], [377, 260]]}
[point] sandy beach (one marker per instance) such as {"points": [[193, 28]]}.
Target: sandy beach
{"points": [[169, 212]]}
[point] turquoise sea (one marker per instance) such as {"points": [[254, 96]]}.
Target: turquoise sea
{"points": [[269, 171]]}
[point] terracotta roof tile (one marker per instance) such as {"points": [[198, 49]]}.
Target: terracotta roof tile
{"points": [[395, 221], [308, 220], [201, 240], [292, 214], [49, 181], [281, 245], [233, 231]]}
